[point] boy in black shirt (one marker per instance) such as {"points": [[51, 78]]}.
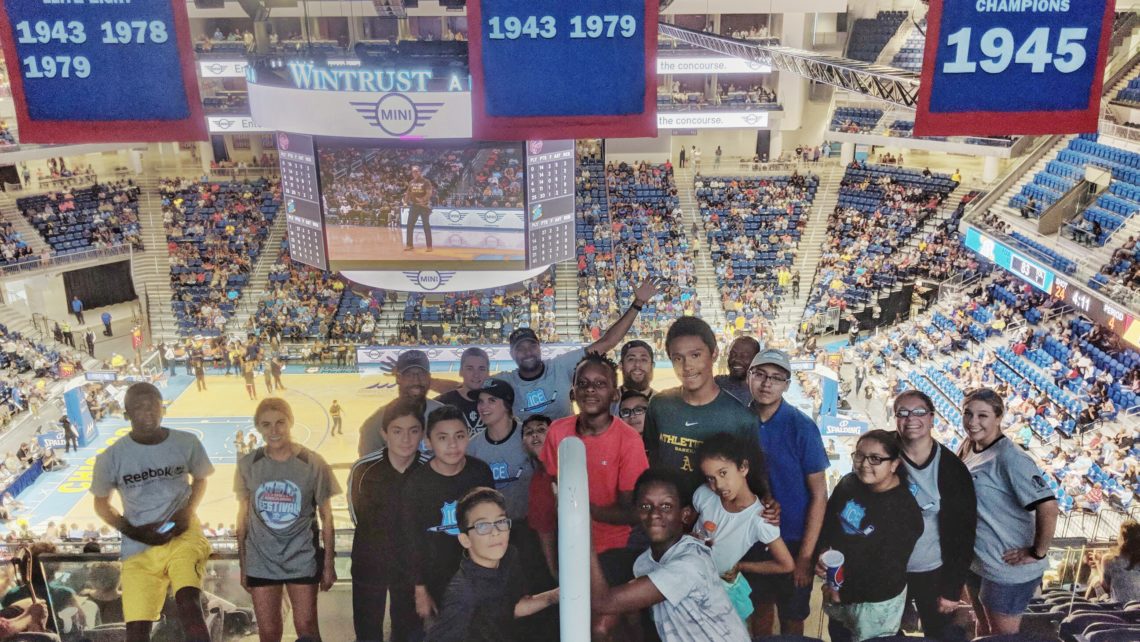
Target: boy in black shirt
{"points": [[374, 489], [431, 494], [474, 368], [486, 594]]}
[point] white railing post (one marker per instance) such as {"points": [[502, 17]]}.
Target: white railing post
{"points": [[573, 541]]}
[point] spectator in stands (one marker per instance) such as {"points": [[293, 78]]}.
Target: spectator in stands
{"points": [[490, 589], [614, 459], [281, 491], [154, 554], [872, 519], [1120, 572], [676, 577], [940, 483], [432, 552], [474, 368], [413, 380], [1017, 513], [795, 454], [740, 355], [678, 420], [375, 485], [637, 368], [544, 386]]}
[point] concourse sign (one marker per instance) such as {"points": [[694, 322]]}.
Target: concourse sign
{"points": [[101, 71], [563, 70], [1006, 67]]}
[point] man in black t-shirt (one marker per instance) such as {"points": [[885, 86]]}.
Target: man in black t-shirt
{"points": [[474, 368], [418, 200]]}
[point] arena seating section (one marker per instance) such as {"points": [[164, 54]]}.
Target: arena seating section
{"points": [[880, 207], [484, 316], [631, 229], [855, 119], [1113, 207], [909, 56], [77, 220], [870, 35], [6, 137], [752, 228], [12, 246], [215, 236]]}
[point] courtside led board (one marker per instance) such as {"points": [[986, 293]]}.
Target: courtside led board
{"points": [[84, 72], [1002, 67], [562, 70]]}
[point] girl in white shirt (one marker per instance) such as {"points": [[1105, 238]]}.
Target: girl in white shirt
{"points": [[730, 519]]}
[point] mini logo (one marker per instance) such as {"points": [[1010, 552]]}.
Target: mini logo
{"points": [[491, 216], [755, 66], [396, 114], [283, 141], [215, 68], [751, 119], [454, 216], [224, 123], [429, 279]]}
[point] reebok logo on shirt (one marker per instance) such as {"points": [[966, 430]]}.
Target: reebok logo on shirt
{"points": [[131, 479]]}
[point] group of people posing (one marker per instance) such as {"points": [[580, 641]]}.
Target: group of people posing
{"points": [[708, 503]]}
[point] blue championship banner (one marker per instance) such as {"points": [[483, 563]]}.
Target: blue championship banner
{"points": [[563, 70], [1003, 67], [86, 71]]}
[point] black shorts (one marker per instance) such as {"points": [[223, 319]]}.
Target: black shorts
{"points": [[792, 602], [258, 582]]}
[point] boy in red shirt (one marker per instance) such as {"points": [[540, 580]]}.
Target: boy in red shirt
{"points": [[615, 458]]}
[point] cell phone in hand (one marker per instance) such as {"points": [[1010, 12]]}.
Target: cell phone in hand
{"points": [[165, 528]]}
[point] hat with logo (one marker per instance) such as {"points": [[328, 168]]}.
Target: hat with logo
{"points": [[772, 357], [522, 334], [500, 390], [409, 359], [636, 343]]}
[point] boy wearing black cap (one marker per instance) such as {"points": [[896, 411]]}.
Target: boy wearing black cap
{"points": [[413, 380]]}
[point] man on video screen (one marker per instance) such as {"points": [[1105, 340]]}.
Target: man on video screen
{"points": [[418, 200]]}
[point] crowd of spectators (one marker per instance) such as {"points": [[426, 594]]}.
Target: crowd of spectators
{"points": [[214, 234], [879, 210], [752, 227], [12, 245], [497, 181], [6, 136], [483, 316], [631, 229], [99, 216], [725, 93]]}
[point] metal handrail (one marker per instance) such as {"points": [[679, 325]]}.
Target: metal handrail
{"points": [[41, 263]]}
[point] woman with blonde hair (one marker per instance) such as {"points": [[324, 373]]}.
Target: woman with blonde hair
{"points": [[282, 488]]}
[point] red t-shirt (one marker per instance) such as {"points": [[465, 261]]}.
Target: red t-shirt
{"points": [[542, 515], [614, 461]]}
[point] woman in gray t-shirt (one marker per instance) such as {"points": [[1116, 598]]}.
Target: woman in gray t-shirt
{"points": [[281, 488], [1120, 572]]}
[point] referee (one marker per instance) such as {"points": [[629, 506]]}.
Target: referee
{"points": [[418, 200]]}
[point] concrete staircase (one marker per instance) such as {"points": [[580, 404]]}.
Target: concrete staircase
{"points": [[151, 268], [810, 249], [707, 291], [566, 301], [254, 291], [391, 316], [27, 231]]}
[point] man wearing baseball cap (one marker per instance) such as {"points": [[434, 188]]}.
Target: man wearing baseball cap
{"points": [[413, 380], [543, 387], [797, 464]]}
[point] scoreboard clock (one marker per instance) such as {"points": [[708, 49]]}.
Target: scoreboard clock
{"points": [[563, 70], [87, 71], [1002, 67]]}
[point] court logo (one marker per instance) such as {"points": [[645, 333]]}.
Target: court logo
{"points": [[396, 114], [278, 503], [429, 279]]}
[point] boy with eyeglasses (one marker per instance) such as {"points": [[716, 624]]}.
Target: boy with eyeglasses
{"points": [[632, 409], [797, 465], [488, 591]]}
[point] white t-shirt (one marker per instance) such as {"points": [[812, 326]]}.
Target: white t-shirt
{"points": [[696, 606], [732, 534]]}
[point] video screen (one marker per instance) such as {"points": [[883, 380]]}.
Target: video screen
{"points": [[460, 205]]}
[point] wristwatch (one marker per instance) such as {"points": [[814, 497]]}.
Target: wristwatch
{"points": [[1032, 552], [637, 305]]}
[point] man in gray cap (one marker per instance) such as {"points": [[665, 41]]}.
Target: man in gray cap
{"points": [[797, 465], [413, 380]]}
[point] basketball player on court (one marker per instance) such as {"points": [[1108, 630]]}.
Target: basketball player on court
{"points": [[418, 200]]}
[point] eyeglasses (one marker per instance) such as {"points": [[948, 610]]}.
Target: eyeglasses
{"points": [[903, 413], [584, 385], [875, 460], [484, 528], [762, 376], [626, 413]]}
